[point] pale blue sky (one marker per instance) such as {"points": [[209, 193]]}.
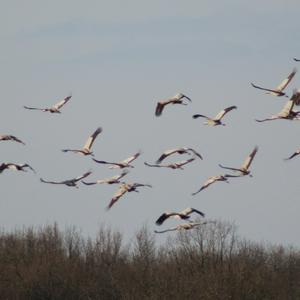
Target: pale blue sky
{"points": [[118, 58]]}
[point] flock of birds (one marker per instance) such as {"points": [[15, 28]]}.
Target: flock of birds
{"points": [[287, 112]]}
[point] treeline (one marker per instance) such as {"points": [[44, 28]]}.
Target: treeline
{"points": [[210, 262]]}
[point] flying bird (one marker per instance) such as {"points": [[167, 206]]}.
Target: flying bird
{"points": [[176, 165], [177, 99], [244, 168], [287, 112], [122, 164], [297, 152], [211, 180], [8, 137], [16, 167], [123, 189], [112, 180], [217, 119], [86, 150], [181, 150], [185, 226], [278, 91], [55, 108], [185, 214], [296, 59], [70, 182]]}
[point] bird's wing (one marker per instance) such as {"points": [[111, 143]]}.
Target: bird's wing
{"points": [[82, 176], [296, 96], [186, 97], [120, 192], [28, 166], [114, 179], [89, 183], [249, 158], [190, 210], [232, 176], [33, 108], [286, 81], [210, 180], [293, 155], [166, 154], [195, 153], [184, 162], [265, 89], [200, 116], [104, 162], [160, 107], [162, 218], [3, 166], [136, 185], [287, 108], [62, 102], [14, 138], [207, 183], [195, 193], [91, 139], [117, 177], [131, 158], [7, 137], [52, 182], [222, 113]]}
